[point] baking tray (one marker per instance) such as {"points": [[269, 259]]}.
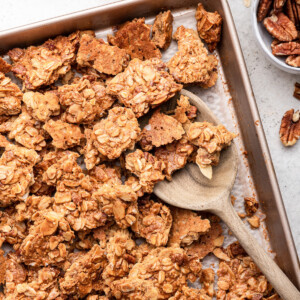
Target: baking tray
{"points": [[232, 92]]}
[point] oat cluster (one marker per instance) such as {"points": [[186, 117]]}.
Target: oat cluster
{"points": [[78, 168]]}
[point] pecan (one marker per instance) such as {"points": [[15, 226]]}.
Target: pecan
{"points": [[289, 48], [281, 27], [290, 128], [293, 12], [297, 91], [278, 5], [263, 9], [293, 60]]}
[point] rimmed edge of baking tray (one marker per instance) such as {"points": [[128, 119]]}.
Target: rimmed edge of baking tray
{"points": [[259, 159]]}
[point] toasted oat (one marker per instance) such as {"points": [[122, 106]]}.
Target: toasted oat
{"points": [[84, 101], [161, 130], [6, 122], [240, 277], [162, 30], [48, 240], [254, 222], [209, 26], [118, 132], [189, 293], [84, 274], [185, 112], [120, 253], [192, 64], [211, 140], [174, 156], [104, 174], [251, 206], [12, 230], [142, 85], [16, 173], [206, 243], [92, 156], [95, 53], [168, 269], [64, 135], [187, 227], [48, 158], [34, 283], [119, 201], [28, 132], [146, 167], [134, 37], [4, 66], [10, 97], [154, 222], [42, 106], [42, 65]]}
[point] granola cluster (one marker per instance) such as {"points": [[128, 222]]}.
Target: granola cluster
{"points": [[78, 168]]}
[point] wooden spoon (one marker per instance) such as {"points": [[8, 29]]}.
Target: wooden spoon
{"points": [[189, 189]]}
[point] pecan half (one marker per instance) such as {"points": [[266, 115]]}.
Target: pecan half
{"points": [[293, 11], [263, 9], [289, 48], [290, 128], [297, 91], [281, 27], [293, 60]]}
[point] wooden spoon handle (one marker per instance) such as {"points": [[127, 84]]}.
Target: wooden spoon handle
{"points": [[283, 286]]}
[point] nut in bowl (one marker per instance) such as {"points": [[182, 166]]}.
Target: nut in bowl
{"points": [[275, 25]]}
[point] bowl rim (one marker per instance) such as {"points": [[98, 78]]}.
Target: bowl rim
{"points": [[272, 58]]}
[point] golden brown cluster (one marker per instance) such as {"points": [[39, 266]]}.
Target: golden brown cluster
{"points": [[78, 169]]}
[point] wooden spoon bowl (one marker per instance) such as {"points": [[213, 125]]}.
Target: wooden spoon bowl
{"points": [[191, 190]]}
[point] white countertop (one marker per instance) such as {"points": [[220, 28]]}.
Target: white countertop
{"points": [[273, 88]]}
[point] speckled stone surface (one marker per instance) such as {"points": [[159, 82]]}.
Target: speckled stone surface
{"points": [[273, 88]]}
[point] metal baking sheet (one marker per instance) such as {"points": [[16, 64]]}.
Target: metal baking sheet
{"points": [[231, 100]]}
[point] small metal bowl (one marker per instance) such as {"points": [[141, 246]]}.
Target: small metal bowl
{"points": [[265, 39]]}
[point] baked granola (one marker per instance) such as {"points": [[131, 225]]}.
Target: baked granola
{"points": [[142, 85], [174, 156], [134, 38], [241, 278], [209, 26], [28, 132], [42, 106], [48, 241], [96, 54], [153, 223], [64, 135], [187, 227], [162, 30], [84, 100], [42, 65], [10, 96], [191, 63], [32, 283], [4, 66], [168, 269], [146, 167], [118, 201], [211, 140], [161, 130], [16, 173], [84, 274], [118, 132]]}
